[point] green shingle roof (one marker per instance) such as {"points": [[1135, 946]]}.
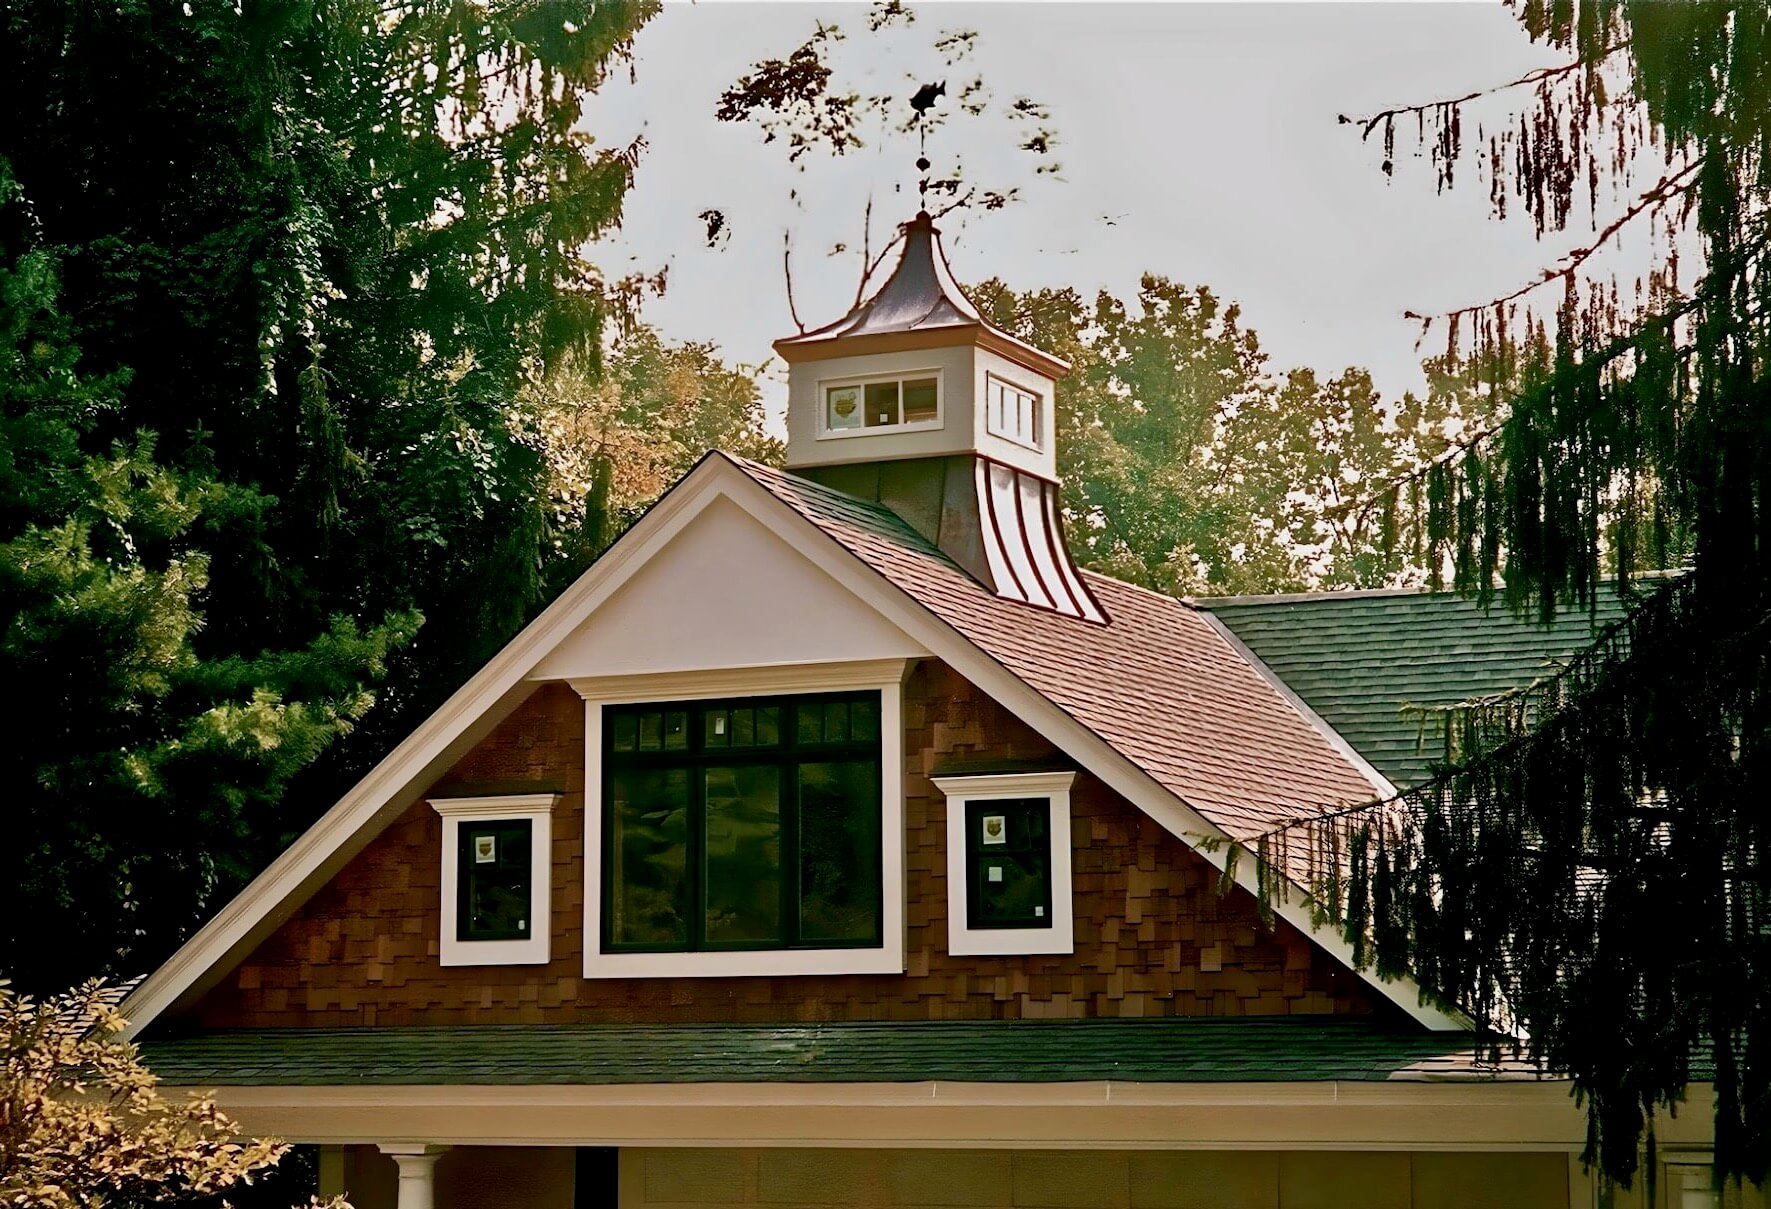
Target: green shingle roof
{"points": [[1359, 659], [1159, 1050]]}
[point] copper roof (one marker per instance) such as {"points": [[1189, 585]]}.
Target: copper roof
{"points": [[1159, 683], [921, 297]]}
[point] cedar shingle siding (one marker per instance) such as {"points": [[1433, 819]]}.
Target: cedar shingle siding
{"points": [[1152, 936]]}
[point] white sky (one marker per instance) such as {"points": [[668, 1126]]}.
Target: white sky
{"points": [[1207, 132]]}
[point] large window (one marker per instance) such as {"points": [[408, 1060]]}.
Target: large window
{"points": [[749, 823]]}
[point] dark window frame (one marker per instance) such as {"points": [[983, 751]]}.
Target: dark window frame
{"points": [[464, 876], [975, 851], [787, 755]]}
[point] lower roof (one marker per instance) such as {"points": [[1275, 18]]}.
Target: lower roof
{"points": [[1365, 661], [1172, 1049]]}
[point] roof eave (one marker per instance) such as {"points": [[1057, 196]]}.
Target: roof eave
{"points": [[797, 350]]}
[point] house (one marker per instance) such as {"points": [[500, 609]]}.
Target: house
{"points": [[835, 841]]}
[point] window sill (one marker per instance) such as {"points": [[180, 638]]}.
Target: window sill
{"points": [[756, 963], [843, 434]]}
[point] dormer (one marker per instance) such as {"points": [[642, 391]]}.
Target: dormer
{"points": [[915, 400]]}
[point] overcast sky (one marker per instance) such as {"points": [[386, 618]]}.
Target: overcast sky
{"points": [[1205, 133]]}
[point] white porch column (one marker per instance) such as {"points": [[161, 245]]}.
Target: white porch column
{"points": [[418, 1163]]}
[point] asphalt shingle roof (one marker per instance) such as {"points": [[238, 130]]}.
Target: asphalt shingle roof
{"points": [[1361, 659], [1155, 1050], [1158, 683]]}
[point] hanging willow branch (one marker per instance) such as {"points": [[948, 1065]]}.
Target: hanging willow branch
{"points": [[1587, 882], [1587, 877]]}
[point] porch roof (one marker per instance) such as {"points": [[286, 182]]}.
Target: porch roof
{"points": [[1147, 1050]]}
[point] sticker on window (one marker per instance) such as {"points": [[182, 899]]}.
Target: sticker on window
{"points": [[995, 829], [485, 849]]}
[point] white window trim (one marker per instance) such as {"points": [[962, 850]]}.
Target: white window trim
{"points": [[886, 676], [825, 385], [537, 807], [1037, 443], [1060, 937]]}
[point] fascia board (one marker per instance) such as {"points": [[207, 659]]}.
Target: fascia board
{"points": [[487, 697]]}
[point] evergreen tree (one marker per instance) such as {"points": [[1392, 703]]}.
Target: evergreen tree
{"points": [[136, 767], [310, 255], [1589, 876]]}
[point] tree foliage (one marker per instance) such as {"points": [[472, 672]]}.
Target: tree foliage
{"points": [[1191, 467], [311, 256], [1590, 876], [83, 1124], [616, 436], [137, 765]]}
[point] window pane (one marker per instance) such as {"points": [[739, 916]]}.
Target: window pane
{"points": [[492, 876], [839, 851], [836, 722], [718, 728], [743, 854], [842, 408], [864, 719], [651, 732], [676, 731], [882, 403], [626, 731], [743, 728], [768, 726], [919, 400], [811, 721], [648, 855], [1009, 859]]}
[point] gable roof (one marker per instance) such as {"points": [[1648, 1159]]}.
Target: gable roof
{"points": [[1158, 705], [1360, 660], [1158, 683]]}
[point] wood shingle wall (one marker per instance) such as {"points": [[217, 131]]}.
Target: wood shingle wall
{"points": [[1152, 935]]}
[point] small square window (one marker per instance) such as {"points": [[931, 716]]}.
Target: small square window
{"points": [[882, 404], [1009, 863], [919, 400], [495, 884]]}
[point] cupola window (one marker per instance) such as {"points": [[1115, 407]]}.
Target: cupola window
{"points": [[1012, 413], [859, 405]]}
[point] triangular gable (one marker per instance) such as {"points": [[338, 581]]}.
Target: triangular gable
{"points": [[730, 594], [508, 677]]}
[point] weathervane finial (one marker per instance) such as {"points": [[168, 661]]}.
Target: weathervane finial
{"points": [[922, 102]]}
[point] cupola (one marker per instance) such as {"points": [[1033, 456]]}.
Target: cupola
{"points": [[913, 399]]}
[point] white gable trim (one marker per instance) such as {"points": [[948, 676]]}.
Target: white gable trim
{"points": [[499, 686]]}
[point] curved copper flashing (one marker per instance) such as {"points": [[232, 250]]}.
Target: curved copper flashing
{"points": [[1016, 534]]}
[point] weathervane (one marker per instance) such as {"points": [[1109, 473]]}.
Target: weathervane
{"points": [[922, 102]]}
